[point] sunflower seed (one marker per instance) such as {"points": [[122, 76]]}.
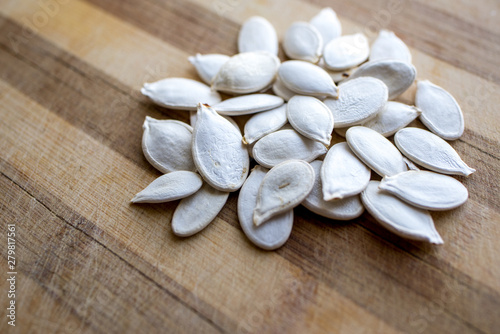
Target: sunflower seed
{"points": [[166, 144], [188, 217], [284, 187], [328, 24], [247, 72], [430, 151], [396, 74], [303, 41], [376, 151], [392, 118], [346, 51], [307, 79], [343, 174], [426, 190], [170, 187], [399, 217], [218, 151], [342, 209], [359, 100], [248, 104], [311, 118], [440, 111], [180, 93], [208, 65], [275, 232], [264, 123], [258, 34], [389, 46], [284, 145]]}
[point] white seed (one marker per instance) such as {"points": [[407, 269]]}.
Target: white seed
{"points": [[311, 118], [264, 123], [170, 187], [346, 51], [195, 212], [343, 174], [281, 90], [192, 119], [258, 34], [440, 111], [410, 164], [247, 72], [307, 79], [389, 46], [275, 232], [342, 209], [376, 151], [284, 145], [339, 76], [328, 24], [166, 144], [426, 190], [359, 100], [399, 217], [341, 131], [218, 151], [208, 65], [284, 187], [392, 118], [303, 41], [248, 104], [396, 74], [180, 93], [430, 151]]}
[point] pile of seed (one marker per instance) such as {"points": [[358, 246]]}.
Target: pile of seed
{"points": [[332, 82]]}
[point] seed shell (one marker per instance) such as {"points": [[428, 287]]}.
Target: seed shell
{"points": [[328, 24], [346, 51], [248, 104], [399, 217], [208, 65], [426, 190], [389, 46], [282, 91], [258, 34], [430, 151], [218, 151], [284, 187], [275, 232], [392, 118], [264, 123], [376, 151], [303, 41]]}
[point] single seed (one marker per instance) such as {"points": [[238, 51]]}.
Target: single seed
{"points": [[303, 41], [258, 34], [208, 65], [389, 46], [392, 118], [248, 104], [328, 24], [264, 123], [346, 51]]}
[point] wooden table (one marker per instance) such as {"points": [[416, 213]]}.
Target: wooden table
{"points": [[70, 160]]}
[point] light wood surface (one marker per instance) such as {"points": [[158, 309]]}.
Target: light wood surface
{"points": [[70, 161]]}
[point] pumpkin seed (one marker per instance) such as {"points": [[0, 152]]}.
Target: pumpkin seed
{"points": [[311, 118], [341, 209], [440, 111], [359, 101], [284, 187], [169, 187], [218, 151], [376, 151], [166, 144], [328, 24], [430, 151], [343, 174], [247, 72], [264, 123], [389, 46], [208, 65], [303, 41], [258, 34], [426, 190], [396, 74], [275, 232], [346, 51], [399, 217], [305, 78], [248, 104], [188, 219], [180, 93], [281, 90], [392, 118], [284, 145]]}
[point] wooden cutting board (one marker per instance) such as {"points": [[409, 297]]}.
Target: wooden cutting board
{"points": [[70, 160]]}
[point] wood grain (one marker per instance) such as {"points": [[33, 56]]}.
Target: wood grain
{"points": [[71, 159]]}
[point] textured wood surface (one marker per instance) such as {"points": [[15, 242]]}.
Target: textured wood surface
{"points": [[70, 160]]}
